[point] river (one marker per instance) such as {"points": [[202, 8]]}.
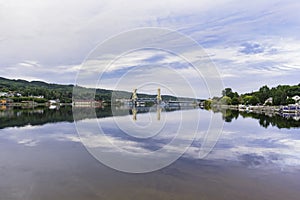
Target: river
{"points": [[44, 154]]}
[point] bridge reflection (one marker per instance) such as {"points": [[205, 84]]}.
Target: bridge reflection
{"points": [[135, 110]]}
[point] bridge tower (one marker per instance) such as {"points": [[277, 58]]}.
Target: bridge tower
{"points": [[134, 112], [158, 112], [134, 97], [158, 97]]}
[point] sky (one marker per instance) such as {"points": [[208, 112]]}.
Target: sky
{"points": [[251, 44]]}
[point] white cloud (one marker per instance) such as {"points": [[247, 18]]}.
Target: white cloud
{"points": [[53, 37]]}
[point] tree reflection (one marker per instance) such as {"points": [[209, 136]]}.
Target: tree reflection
{"points": [[17, 117], [276, 120]]}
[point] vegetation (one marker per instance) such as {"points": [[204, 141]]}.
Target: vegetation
{"points": [[281, 95], [22, 90], [36, 88]]}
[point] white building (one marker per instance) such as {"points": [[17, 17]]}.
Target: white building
{"points": [[3, 94], [37, 97], [296, 98], [52, 102], [269, 100]]}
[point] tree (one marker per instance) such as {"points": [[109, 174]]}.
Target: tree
{"points": [[207, 104], [290, 101], [225, 100], [226, 91], [263, 93], [279, 97], [254, 100], [235, 101], [250, 100], [229, 93]]}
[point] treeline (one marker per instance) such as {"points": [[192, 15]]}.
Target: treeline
{"points": [[28, 89], [281, 95], [36, 88], [50, 91]]}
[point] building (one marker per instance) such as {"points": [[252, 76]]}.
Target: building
{"points": [[37, 97], [87, 103], [269, 101], [6, 101], [3, 94], [9, 94], [51, 102], [296, 98], [3, 101]]}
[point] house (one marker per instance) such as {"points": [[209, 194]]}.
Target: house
{"points": [[37, 97], [7, 94], [296, 98], [3, 94], [6, 101], [3, 101], [51, 102], [269, 101]]}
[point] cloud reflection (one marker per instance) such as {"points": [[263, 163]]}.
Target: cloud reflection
{"points": [[254, 147]]}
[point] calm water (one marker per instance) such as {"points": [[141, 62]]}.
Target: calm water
{"points": [[42, 157]]}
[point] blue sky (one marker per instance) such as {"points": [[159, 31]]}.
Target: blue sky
{"points": [[251, 43]]}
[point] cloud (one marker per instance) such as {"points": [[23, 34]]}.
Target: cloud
{"points": [[270, 61], [28, 142], [136, 70], [254, 38], [252, 48], [33, 70]]}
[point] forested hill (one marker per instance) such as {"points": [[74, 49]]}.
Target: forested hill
{"points": [[37, 88], [55, 91]]}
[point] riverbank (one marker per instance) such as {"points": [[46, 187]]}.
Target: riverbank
{"points": [[260, 109], [31, 104]]}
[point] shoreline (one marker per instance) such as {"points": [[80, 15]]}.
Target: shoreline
{"points": [[262, 109]]}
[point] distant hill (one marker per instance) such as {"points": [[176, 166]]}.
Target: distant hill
{"points": [[58, 91], [37, 88]]}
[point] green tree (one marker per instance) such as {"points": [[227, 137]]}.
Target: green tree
{"points": [[229, 93], [226, 92], [263, 93], [235, 101], [254, 100], [290, 101], [279, 97], [250, 100], [225, 100], [207, 104]]}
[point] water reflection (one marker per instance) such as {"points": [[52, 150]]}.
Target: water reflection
{"points": [[283, 120], [41, 157], [16, 117], [242, 140], [135, 110]]}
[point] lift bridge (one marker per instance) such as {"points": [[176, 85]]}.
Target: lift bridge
{"points": [[141, 101], [138, 104]]}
